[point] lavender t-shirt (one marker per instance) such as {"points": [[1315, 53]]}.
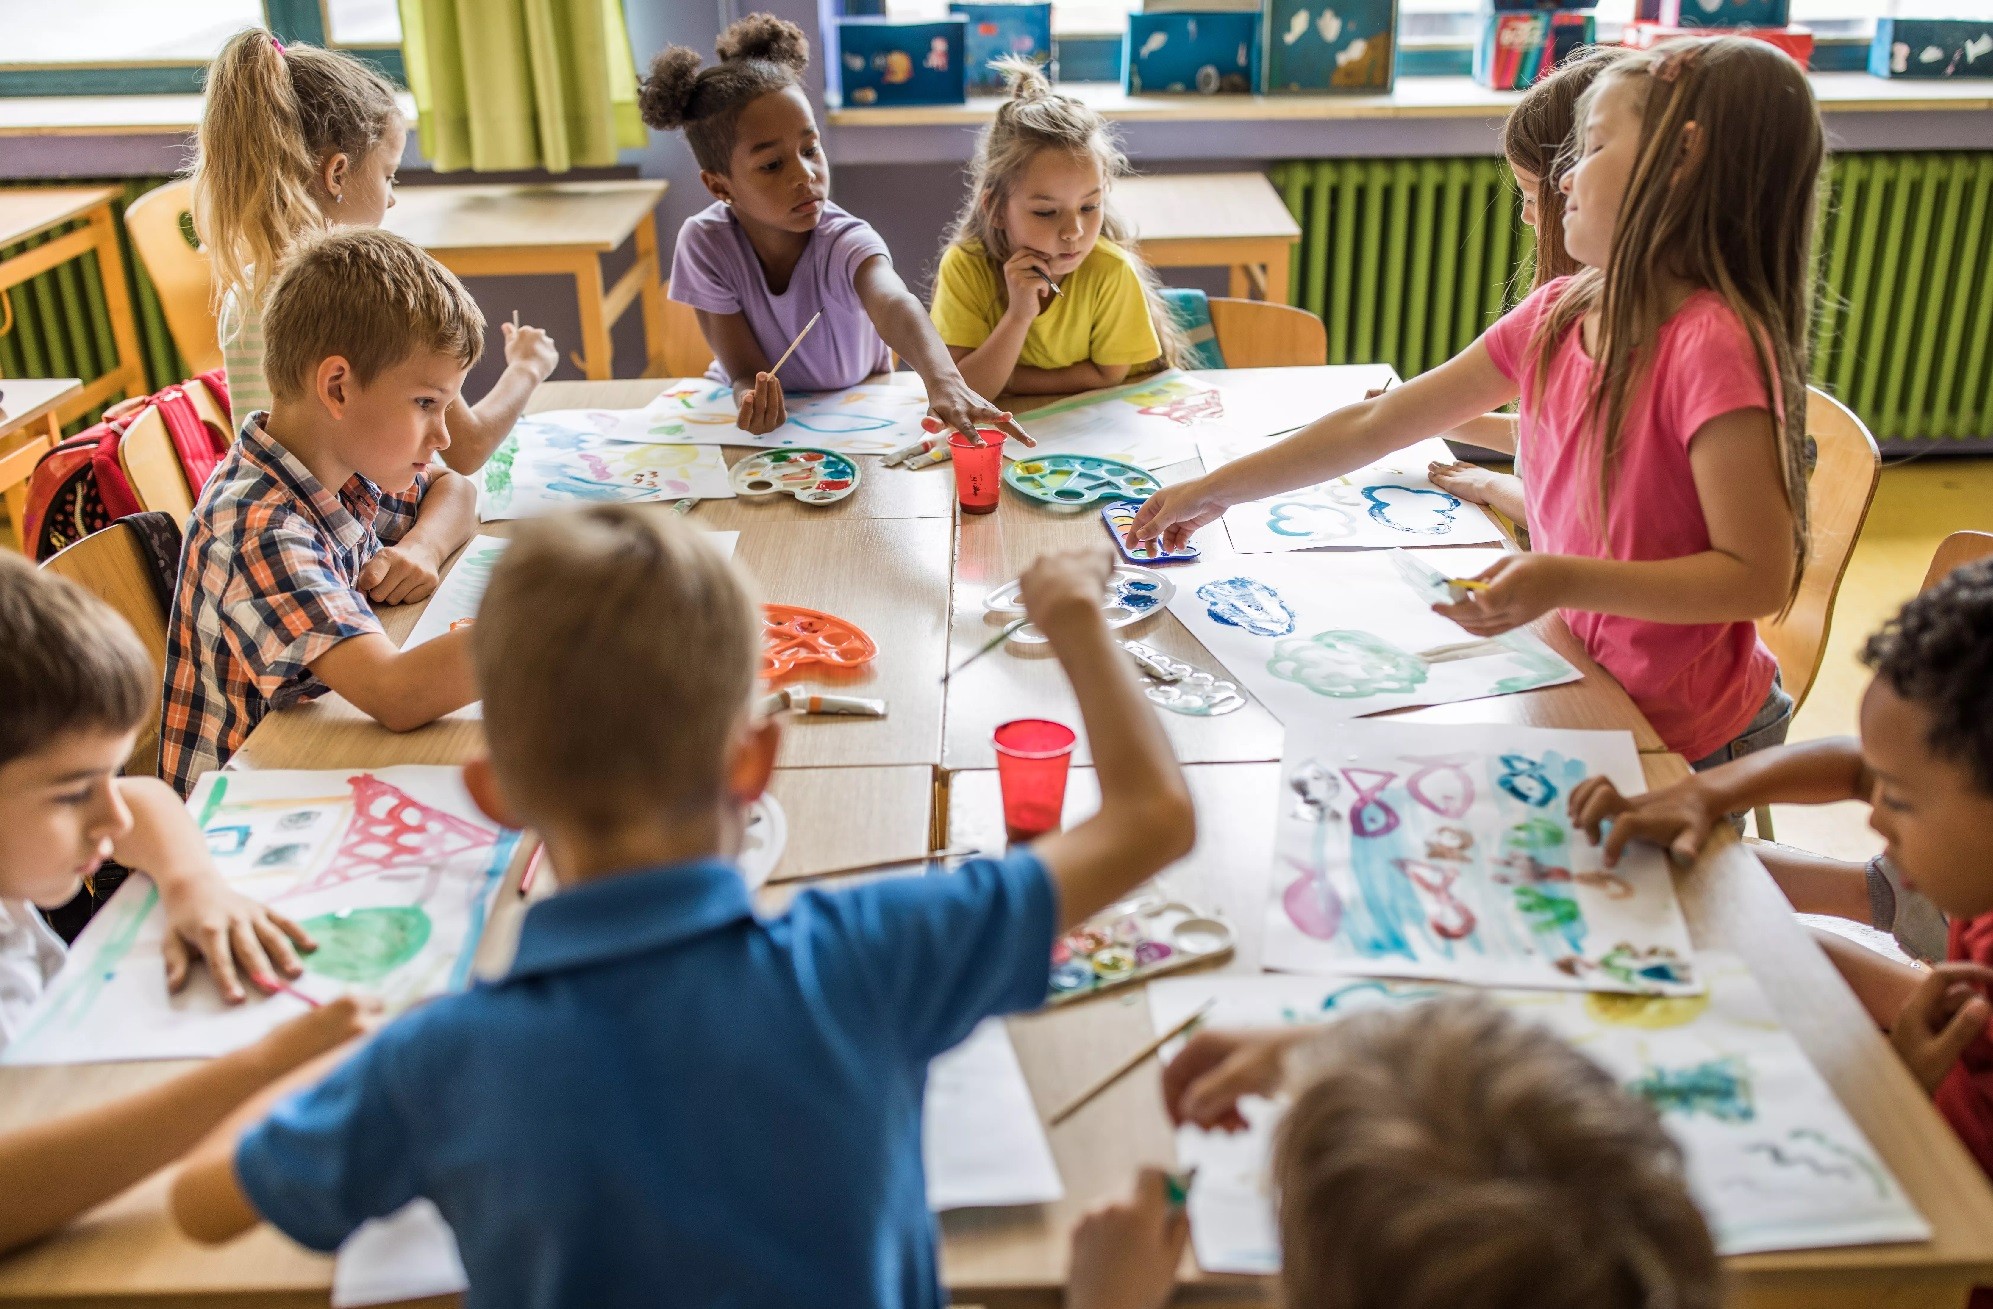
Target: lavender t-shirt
{"points": [[715, 269]]}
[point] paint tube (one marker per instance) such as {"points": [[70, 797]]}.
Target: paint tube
{"points": [[938, 455], [803, 701], [918, 448], [773, 703]]}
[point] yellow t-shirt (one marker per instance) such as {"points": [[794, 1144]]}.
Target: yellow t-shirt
{"points": [[1102, 316]]}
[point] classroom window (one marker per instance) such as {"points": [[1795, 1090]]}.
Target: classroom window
{"points": [[363, 22]]}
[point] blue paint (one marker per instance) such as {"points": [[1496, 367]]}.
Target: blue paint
{"points": [[224, 841], [1412, 509], [1522, 777], [836, 424], [1247, 604]]}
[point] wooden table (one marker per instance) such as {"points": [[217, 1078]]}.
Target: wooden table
{"points": [[35, 211], [30, 426], [564, 228], [1196, 220]]}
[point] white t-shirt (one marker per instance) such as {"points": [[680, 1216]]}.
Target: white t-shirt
{"points": [[30, 955]]}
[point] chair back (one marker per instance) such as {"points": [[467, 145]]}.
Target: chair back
{"points": [[1954, 551], [118, 567], [1257, 334], [152, 466], [158, 223]]}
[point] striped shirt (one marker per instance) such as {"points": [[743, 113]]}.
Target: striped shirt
{"points": [[242, 357], [266, 587]]}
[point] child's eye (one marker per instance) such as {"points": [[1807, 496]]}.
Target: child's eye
{"points": [[425, 404], [773, 166], [1087, 209], [812, 151], [74, 797], [1045, 213]]}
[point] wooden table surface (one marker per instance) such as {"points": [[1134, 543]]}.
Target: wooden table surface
{"points": [[25, 211], [1204, 207], [597, 216]]}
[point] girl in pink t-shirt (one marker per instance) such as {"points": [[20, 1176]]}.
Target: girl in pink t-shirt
{"points": [[1662, 395]]}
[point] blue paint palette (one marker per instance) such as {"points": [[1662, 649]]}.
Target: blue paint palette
{"points": [[1119, 517], [1132, 595], [1076, 481]]}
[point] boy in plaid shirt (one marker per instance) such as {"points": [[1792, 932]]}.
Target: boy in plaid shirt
{"points": [[326, 502]]}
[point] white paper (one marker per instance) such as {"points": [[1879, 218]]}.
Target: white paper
{"points": [[1774, 1161], [561, 459], [409, 1255], [872, 418], [1335, 636], [1405, 850], [1388, 503], [458, 595], [391, 870]]}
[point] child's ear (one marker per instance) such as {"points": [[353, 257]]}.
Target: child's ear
{"points": [[332, 175], [482, 783], [334, 384], [717, 185], [753, 761], [1692, 148]]}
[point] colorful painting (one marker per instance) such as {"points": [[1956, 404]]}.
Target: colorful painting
{"points": [[391, 870], [873, 418], [1773, 1159], [1405, 850], [1388, 503], [1316, 637], [555, 461], [455, 600]]}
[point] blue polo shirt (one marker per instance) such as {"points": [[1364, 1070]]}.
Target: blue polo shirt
{"points": [[669, 1100]]}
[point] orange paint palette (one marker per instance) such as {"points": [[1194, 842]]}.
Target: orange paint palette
{"points": [[792, 636]]}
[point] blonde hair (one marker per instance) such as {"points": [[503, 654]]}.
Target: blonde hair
{"points": [[1735, 214], [1454, 1156], [272, 115], [1033, 117], [372, 298], [1536, 138], [616, 652], [68, 662]]}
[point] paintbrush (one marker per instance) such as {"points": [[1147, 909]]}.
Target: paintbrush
{"points": [[1010, 629], [1128, 1065], [278, 984], [793, 344], [532, 870], [1047, 279]]}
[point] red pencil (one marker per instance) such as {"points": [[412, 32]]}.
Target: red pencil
{"points": [[532, 870], [278, 984]]}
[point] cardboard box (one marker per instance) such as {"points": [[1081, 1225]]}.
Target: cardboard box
{"points": [[882, 62], [1932, 47], [1515, 51], [1795, 41], [1309, 46], [1207, 52], [993, 30], [1723, 13]]}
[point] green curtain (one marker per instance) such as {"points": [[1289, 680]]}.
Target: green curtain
{"points": [[510, 85]]}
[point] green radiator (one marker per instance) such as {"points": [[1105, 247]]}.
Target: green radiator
{"points": [[1407, 260]]}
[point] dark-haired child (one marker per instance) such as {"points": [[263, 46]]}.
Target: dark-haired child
{"points": [[772, 252]]}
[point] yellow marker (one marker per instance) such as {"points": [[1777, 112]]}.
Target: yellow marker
{"points": [[1462, 587]]}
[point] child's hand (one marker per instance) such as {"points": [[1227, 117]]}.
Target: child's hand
{"points": [[1125, 1252], [1203, 1084], [955, 406], [1173, 513], [1678, 817], [1469, 482], [761, 408], [531, 350], [1027, 275], [1066, 586], [234, 934], [300, 1040], [1944, 1015], [400, 574], [1521, 589]]}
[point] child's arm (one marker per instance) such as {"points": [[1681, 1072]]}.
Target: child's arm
{"points": [[905, 326], [401, 689], [409, 569], [1882, 984], [1146, 820], [476, 430], [1499, 432], [54, 1171], [204, 916], [992, 368], [1125, 1252], [1501, 492], [757, 391], [1944, 1015]]}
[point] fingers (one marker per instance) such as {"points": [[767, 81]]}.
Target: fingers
{"points": [[1016, 433], [247, 948], [1592, 801], [1965, 1027], [508, 331], [373, 571], [294, 930], [277, 947], [1152, 1192], [178, 965], [215, 949]]}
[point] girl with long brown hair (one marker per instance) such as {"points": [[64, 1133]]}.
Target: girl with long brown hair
{"points": [[1662, 389]]}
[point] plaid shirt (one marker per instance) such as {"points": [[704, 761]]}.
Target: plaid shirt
{"points": [[266, 587]]}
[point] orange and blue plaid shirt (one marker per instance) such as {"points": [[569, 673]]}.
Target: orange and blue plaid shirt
{"points": [[266, 586]]}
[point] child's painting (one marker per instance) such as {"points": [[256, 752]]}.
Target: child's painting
{"points": [[1389, 503], [1318, 636], [391, 871], [1405, 850], [563, 459], [872, 418], [456, 598], [1773, 1159]]}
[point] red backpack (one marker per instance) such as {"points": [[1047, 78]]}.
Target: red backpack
{"points": [[79, 488]]}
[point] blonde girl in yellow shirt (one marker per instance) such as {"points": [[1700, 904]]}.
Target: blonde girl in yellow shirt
{"points": [[1038, 217]]}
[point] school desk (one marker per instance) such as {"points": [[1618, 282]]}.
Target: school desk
{"points": [[563, 228], [32, 212], [1018, 1256], [1233, 220], [30, 425]]}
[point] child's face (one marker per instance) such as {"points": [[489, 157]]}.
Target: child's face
{"points": [[1594, 186], [779, 177], [1929, 809], [365, 186], [1056, 208], [59, 812], [1526, 182], [391, 428]]}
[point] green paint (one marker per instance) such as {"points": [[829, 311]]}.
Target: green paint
{"points": [[498, 469], [213, 806], [1534, 835], [1718, 1088], [1547, 914], [365, 945], [1347, 665], [1540, 667], [74, 1004]]}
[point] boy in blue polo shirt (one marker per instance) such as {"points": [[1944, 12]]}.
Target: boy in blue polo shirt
{"points": [[669, 1098]]}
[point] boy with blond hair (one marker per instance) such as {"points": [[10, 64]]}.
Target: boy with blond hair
{"points": [[325, 502], [669, 1095]]}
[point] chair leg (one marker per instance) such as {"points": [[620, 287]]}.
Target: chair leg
{"points": [[1762, 817]]}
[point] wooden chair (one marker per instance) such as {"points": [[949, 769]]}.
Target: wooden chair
{"points": [[179, 271], [1257, 334], [114, 566], [152, 466], [1955, 550], [210, 410]]}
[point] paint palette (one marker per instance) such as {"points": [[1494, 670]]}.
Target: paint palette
{"points": [[1132, 595], [1184, 688], [1119, 517], [1075, 481], [792, 636], [815, 477], [1132, 942]]}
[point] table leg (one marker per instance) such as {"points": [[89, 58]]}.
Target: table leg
{"points": [[1279, 274], [597, 358], [117, 300], [652, 296], [1244, 275]]}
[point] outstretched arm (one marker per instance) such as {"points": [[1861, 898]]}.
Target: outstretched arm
{"points": [[476, 430]]}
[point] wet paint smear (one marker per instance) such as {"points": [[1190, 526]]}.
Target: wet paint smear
{"points": [[1247, 604], [1718, 1088], [1347, 665], [363, 946], [1411, 509], [1651, 1013]]}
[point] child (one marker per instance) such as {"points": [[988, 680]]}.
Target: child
{"points": [[667, 1089], [1925, 765], [325, 500], [1038, 218], [1663, 396], [1536, 135], [76, 685], [1446, 1156], [772, 251], [295, 140]]}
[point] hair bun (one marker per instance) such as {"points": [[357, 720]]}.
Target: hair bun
{"points": [[1023, 79], [768, 38], [666, 94]]}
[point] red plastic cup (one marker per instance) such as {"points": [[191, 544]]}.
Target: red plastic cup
{"points": [[978, 470], [1033, 758]]}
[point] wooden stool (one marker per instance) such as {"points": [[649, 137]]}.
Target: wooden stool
{"points": [[1198, 220], [30, 425], [31, 212]]}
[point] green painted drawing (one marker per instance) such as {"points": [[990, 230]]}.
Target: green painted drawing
{"points": [[363, 946], [1540, 666], [1347, 665], [498, 469]]}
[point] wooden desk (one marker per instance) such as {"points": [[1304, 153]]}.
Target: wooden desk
{"points": [[32, 212], [498, 230], [1019, 1255], [1196, 220], [30, 425]]}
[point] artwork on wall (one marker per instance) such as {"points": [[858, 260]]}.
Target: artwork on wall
{"points": [[1387, 503]]}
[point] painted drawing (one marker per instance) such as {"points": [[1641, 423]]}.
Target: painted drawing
{"points": [[390, 870], [548, 463], [872, 418], [1774, 1161], [455, 600], [1446, 853]]}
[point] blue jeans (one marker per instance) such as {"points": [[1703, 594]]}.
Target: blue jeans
{"points": [[1767, 729]]}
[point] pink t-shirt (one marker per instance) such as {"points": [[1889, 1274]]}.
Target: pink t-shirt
{"points": [[1699, 684]]}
